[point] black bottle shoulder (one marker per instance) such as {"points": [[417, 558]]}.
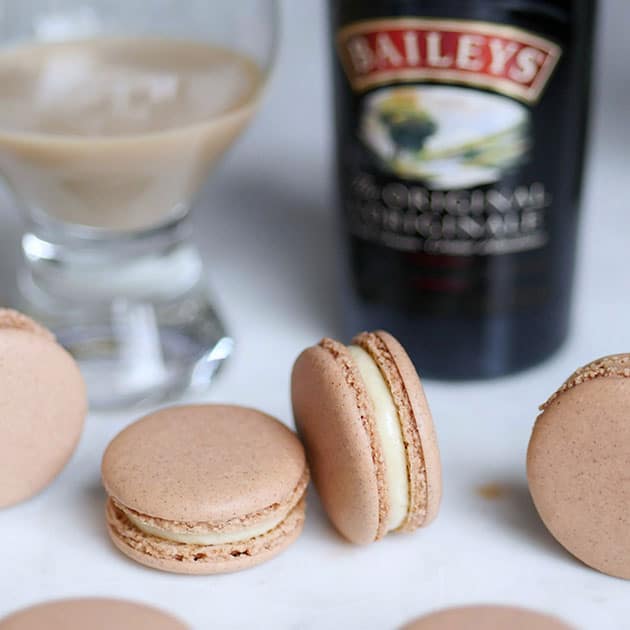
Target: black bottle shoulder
{"points": [[510, 11]]}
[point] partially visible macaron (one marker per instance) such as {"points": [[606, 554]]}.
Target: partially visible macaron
{"points": [[369, 436], [43, 404], [578, 465], [486, 618], [93, 613], [205, 488]]}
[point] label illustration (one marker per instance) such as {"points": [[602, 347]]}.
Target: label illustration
{"points": [[449, 137]]}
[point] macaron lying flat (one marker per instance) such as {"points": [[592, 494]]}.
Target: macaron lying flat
{"points": [[43, 404], [578, 462], [205, 489], [92, 613], [369, 436], [486, 618]]}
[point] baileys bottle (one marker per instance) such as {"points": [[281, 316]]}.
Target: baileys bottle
{"points": [[460, 146]]}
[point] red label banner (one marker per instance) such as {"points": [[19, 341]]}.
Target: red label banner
{"points": [[492, 56]]}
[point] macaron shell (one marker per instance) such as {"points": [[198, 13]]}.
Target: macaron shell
{"points": [[43, 404], [175, 557], [611, 365], [486, 618], [339, 448], [161, 465], [577, 467], [18, 321], [92, 613], [418, 428]]}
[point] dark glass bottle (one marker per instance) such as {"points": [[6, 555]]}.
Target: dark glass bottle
{"points": [[460, 142]]}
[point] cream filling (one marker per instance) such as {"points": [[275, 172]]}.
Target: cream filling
{"points": [[390, 432], [209, 538]]}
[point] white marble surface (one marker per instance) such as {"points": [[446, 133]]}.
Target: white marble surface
{"points": [[266, 229]]}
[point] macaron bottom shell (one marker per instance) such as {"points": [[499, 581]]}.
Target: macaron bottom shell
{"points": [[175, 557], [416, 424]]}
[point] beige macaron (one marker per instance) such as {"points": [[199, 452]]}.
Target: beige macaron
{"points": [[92, 613], [369, 436], [578, 465], [205, 488], [42, 407], [486, 618]]}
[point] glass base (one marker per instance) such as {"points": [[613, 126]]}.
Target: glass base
{"points": [[134, 311]]}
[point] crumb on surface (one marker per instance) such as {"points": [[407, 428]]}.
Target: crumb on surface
{"points": [[492, 491]]}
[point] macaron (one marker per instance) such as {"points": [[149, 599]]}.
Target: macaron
{"points": [[578, 465], [486, 618], [43, 404], [205, 489], [368, 434], [92, 613]]}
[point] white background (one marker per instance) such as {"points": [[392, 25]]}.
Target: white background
{"points": [[266, 230]]}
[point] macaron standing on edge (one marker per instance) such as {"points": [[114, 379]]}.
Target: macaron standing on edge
{"points": [[94, 613], [43, 403], [578, 464], [368, 434], [205, 489]]}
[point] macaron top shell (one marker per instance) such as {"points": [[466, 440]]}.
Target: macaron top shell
{"points": [[43, 404], [335, 418], [348, 480], [204, 464], [486, 618], [577, 465], [92, 613]]}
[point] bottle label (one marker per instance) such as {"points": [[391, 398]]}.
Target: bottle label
{"points": [[444, 133]]}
